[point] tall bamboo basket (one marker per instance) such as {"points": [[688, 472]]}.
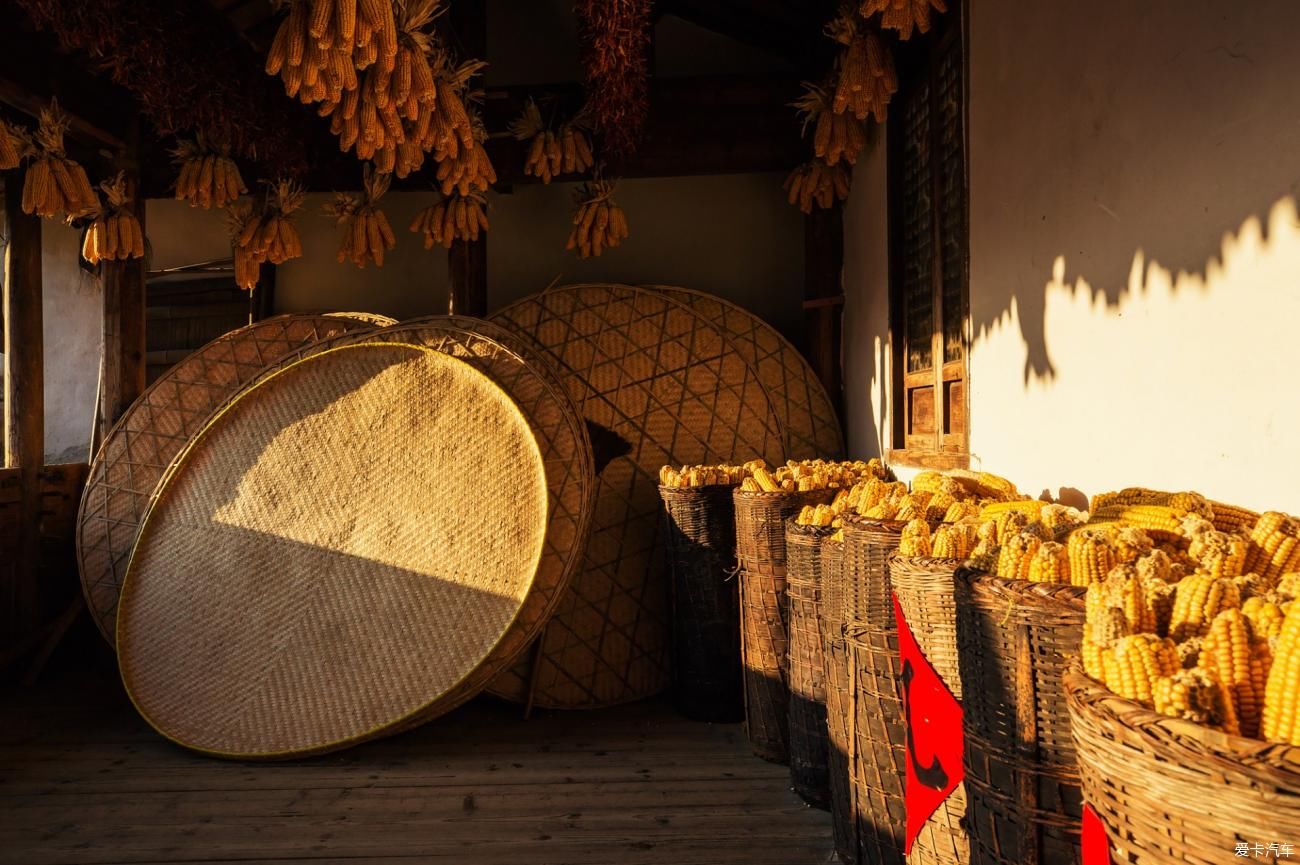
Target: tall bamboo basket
{"points": [[765, 639], [868, 546], [154, 429], [809, 768], [841, 724], [830, 614], [657, 385], [924, 589], [701, 533], [1171, 792], [1014, 642]]}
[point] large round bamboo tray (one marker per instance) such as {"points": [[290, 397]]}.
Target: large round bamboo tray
{"points": [[1014, 641], [330, 557], [806, 411], [1171, 792], [530, 382], [154, 429], [701, 545], [924, 589], [809, 771], [657, 384], [765, 637]]}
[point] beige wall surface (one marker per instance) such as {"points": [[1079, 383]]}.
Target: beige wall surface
{"points": [[1135, 247]]}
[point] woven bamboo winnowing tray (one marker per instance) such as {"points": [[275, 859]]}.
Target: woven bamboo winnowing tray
{"points": [[806, 412], [329, 558], [529, 380], [659, 385], [154, 429]]}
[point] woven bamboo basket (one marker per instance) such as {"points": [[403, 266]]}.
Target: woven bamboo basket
{"points": [[1014, 641], [765, 638], [154, 429], [701, 534], [924, 589], [868, 546], [831, 611], [841, 718], [1171, 792], [809, 770], [657, 384]]}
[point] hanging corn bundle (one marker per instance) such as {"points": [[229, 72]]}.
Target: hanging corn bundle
{"points": [[55, 184], [470, 170], [315, 68], [451, 128], [263, 232], [551, 154], [114, 234], [816, 183], [902, 15], [365, 229], [599, 223], [866, 69], [456, 217], [835, 136], [209, 177], [15, 145]]}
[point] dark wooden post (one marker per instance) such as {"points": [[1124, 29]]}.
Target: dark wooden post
{"points": [[824, 298], [24, 411], [123, 361], [467, 260]]}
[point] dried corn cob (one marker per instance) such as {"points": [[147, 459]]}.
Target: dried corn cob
{"points": [[1265, 615], [961, 511], [867, 78], [15, 145], [1218, 553], [456, 217], [836, 136], [55, 185], [1282, 690], [598, 222], [1273, 545], [903, 15], [1234, 658], [208, 176], [366, 234], [1194, 695], [1140, 659], [816, 183], [470, 170], [1197, 600], [114, 233], [952, 541], [1017, 554], [263, 231], [1049, 564], [915, 539], [1231, 518]]}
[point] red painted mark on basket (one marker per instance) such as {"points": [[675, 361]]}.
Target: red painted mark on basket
{"points": [[1096, 849], [935, 741]]}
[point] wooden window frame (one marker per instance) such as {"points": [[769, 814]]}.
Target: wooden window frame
{"points": [[937, 450]]}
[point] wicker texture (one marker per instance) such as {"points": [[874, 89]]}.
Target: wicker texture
{"points": [[841, 719], [765, 637], [868, 546], [661, 386], [831, 611], [328, 558], [924, 589], [1152, 779], [1014, 639], [811, 425], [701, 534], [809, 771], [154, 429]]}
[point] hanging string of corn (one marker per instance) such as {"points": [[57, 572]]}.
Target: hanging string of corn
{"points": [[114, 234], [550, 153], [322, 44], [455, 217], [598, 222], [451, 127], [208, 176], [55, 184], [365, 230], [836, 136], [470, 170], [15, 145], [902, 15], [816, 183], [867, 78], [262, 231]]}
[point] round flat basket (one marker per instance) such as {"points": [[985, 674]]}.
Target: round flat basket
{"points": [[561, 434], [812, 428], [154, 429], [657, 384], [332, 555]]}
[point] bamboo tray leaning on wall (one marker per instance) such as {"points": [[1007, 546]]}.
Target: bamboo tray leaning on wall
{"points": [[154, 429]]}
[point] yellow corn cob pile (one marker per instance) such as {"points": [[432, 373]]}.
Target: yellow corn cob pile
{"points": [[264, 232], [1235, 658], [1198, 599], [1031, 508], [1219, 554], [1273, 545], [456, 217], [1231, 518], [208, 177], [470, 170], [816, 475], [365, 232], [1017, 554], [1060, 518], [1282, 688], [1161, 522], [1265, 615], [114, 233], [903, 15], [914, 505], [816, 515], [1135, 663], [55, 185], [836, 136], [1187, 501], [703, 476], [959, 511], [1194, 695], [915, 539], [937, 483], [867, 78], [598, 223], [450, 126], [15, 145], [1130, 543], [953, 540], [816, 183], [1049, 564]]}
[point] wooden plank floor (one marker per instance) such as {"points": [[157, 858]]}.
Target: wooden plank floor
{"points": [[84, 780]]}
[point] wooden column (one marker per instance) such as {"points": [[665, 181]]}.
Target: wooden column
{"points": [[824, 298], [24, 409], [123, 360]]}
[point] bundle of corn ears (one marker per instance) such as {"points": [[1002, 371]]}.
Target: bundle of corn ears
{"points": [[551, 154], [598, 223], [456, 217], [835, 136], [470, 170], [55, 184], [866, 69], [209, 177], [114, 234], [816, 183], [322, 44], [15, 145], [262, 231], [365, 230], [901, 15]]}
